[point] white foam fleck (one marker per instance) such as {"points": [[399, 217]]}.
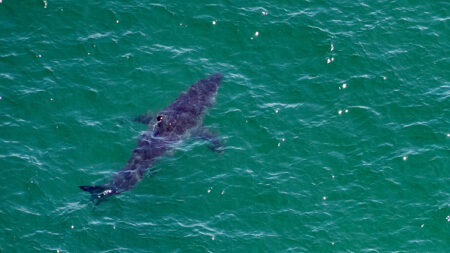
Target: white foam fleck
{"points": [[251, 38], [106, 192], [214, 22], [57, 251], [332, 176], [39, 56], [45, 3], [332, 47], [332, 243], [404, 158], [448, 135], [324, 197], [263, 12], [256, 33], [448, 218], [340, 112], [181, 24], [384, 78], [283, 139], [72, 227], [344, 86], [346, 110], [114, 227], [51, 99], [223, 192], [89, 53], [117, 21], [332, 58], [213, 238], [279, 144], [209, 190], [328, 60], [422, 225], [276, 110], [0, 96]]}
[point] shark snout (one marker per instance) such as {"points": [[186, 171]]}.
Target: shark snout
{"points": [[215, 78]]}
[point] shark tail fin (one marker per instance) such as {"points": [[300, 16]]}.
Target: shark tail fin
{"points": [[98, 192]]}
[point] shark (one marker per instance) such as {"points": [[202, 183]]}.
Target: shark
{"points": [[182, 118]]}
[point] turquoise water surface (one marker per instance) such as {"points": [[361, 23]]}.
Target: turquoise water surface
{"points": [[335, 116]]}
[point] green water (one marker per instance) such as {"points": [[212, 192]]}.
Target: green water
{"points": [[335, 116]]}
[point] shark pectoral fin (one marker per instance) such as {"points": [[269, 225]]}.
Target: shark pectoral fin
{"points": [[214, 141], [93, 189], [216, 146], [98, 192], [144, 118]]}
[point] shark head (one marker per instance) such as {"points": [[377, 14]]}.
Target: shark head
{"points": [[208, 86], [186, 111], [203, 92]]}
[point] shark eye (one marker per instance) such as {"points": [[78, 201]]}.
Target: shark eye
{"points": [[159, 118]]}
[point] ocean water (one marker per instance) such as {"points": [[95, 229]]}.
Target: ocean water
{"points": [[335, 116]]}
